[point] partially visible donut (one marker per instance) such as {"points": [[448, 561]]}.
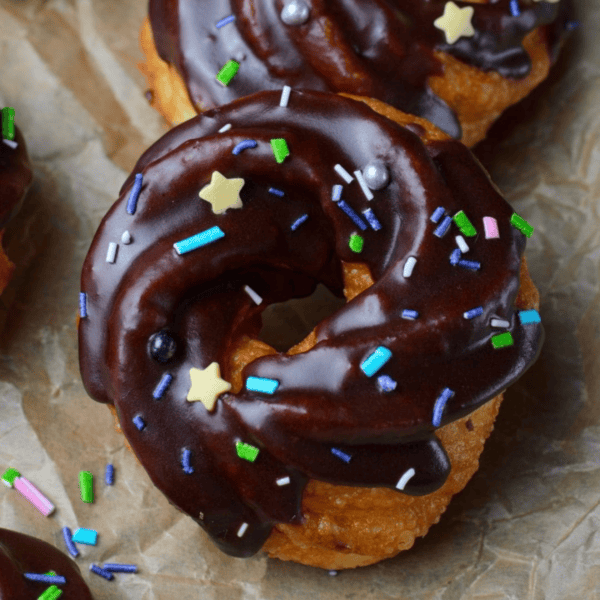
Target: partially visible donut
{"points": [[408, 54], [180, 270]]}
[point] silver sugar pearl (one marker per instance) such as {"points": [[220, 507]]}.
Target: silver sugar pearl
{"points": [[376, 175], [295, 12]]}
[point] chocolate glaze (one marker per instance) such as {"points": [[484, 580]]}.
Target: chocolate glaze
{"points": [[20, 553], [324, 400], [382, 49]]}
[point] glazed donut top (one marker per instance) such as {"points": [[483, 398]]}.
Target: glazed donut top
{"points": [[381, 49], [412, 352], [20, 553]]}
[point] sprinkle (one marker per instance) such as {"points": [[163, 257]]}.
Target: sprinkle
{"points": [[51, 593], [490, 227], [9, 477], [280, 149], [363, 185], [8, 123], [440, 403], [442, 228], [409, 314], [571, 25], [501, 323], [282, 481], [200, 239], [521, 224], [261, 384], [67, 536], [438, 213], [225, 128], [463, 223], [462, 245], [375, 360], [103, 573], [470, 264], [386, 384], [246, 451], [341, 455], [45, 578], [455, 22], [207, 385], [86, 486], [529, 316], [119, 568], [244, 145], [126, 238], [139, 422], [135, 194], [276, 192], [405, 479], [298, 222], [242, 530], [474, 312], [285, 96], [455, 257], [31, 493], [257, 299], [343, 173], [109, 474], [225, 21], [185, 461], [515, 11], [356, 243], [162, 386], [336, 192], [372, 219], [111, 254], [502, 340], [85, 536], [409, 265], [227, 73], [353, 215], [11, 144]]}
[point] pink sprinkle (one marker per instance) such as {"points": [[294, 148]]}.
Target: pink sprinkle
{"points": [[490, 226], [29, 491]]}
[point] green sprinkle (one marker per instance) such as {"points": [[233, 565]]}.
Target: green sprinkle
{"points": [[52, 593], [246, 451], [280, 149], [463, 223], [502, 340], [356, 243], [521, 224], [85, 486], [8, 123], [50, 573], [227, 73], [9, 476]]}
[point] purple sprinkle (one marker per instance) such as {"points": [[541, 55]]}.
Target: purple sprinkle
{"points": [[68, 537], [225, 21], [109, 475], [438, 213], [185, 461], [409, 314], [162, 386], [386, 384], [440, 404], [442, 228], [139, 422], [298, 222], [135, 194], [57, 579], [354, 216], [474, 312], [469, 264], [515, 11], [276, 192], [119, 568], [455, 256], [244, 145], [103, 573], [82, 305], [341, 455], [372, 219]]}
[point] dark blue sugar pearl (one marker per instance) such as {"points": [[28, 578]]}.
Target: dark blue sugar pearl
{"points": [[162, 347]]}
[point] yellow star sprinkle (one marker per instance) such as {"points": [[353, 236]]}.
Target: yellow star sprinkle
{"points": [[207, 385], [455, 22], [222, 193]]}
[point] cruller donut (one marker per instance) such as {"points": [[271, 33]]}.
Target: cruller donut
{"points": [[254, 203], [457, 64]]}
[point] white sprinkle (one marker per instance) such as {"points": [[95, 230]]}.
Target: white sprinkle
{"points": [[462, 245], [343, 173], [405, 479], [225, 128], [11, 144], [409, 265], [242, 529], [201, 516], [285, 96], [111, 255], [363, 185], [336, 193], [282, 481], [257, 299], [126, 237], [501, 323]]}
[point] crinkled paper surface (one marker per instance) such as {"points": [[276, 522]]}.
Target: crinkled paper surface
{"points": [[525, 527]]}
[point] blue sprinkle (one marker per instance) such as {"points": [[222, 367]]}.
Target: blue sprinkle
{"points": [[470, 264], [139, 422], [119, 568], [261, 384], [57, 579], [354, 216], [571, 25], [135, 194], [106, 574], [375, 360], [336, 193], [440, 403], [455, 256], [225, 21], [82, 305], [438, 213], [109, 474], [341, 455], [85, 536], [276, 192], [162, 386], [244, 145], [298, 222], [409, 314], [529, 316], [385, 383], [372, 219], [185, 461], [441, 229], [68, 537], [200, 239], [515, 11], [474, 312]]}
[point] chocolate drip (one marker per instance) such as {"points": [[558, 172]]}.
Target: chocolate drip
{"points": [[325, 408]]}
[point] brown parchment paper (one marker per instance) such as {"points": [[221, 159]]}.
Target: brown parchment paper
{"points": [[525, 527]]}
